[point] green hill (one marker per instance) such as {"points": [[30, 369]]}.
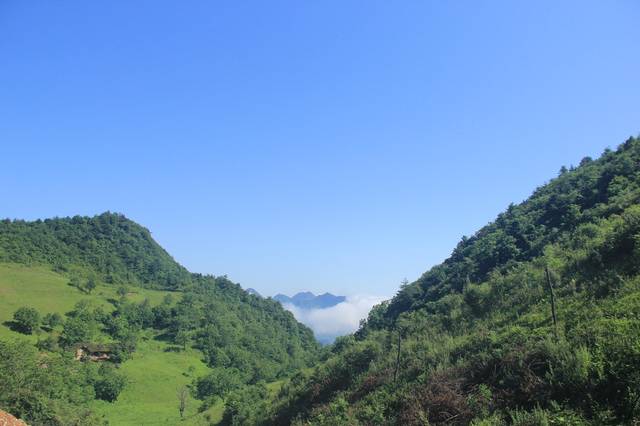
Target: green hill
{"points": [[110, 245], [533, 320], [103, 280], [474, 340]]}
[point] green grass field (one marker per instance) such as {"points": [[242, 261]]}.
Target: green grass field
{"points": [[154, 373], [47, 291]]}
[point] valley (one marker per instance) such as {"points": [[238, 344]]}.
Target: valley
{"points": [[532, 319]]}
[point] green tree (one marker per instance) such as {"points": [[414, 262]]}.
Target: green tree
{"points": [[75, 282], [90, 285], [122, 291], [52, 396], [52, 320], [76, 330], [218, 383], [27, 319], [49, 343], [110, 383], [183, 338]]}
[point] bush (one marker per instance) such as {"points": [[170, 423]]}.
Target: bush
{"points": [[109, 384], [52, 320], [27, 319], [218, 383]]}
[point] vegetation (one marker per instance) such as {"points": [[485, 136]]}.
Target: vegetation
{"points": [[26, 319], [533, 320], [209, 317], [48, 388], [109, 245]]}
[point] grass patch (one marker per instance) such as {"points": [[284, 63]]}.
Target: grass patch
{"points": [[155, 372], [48, 292], [154, 376]]}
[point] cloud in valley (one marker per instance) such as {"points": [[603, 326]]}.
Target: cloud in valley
{"points": [[343, 318]]}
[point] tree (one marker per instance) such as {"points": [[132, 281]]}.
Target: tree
{"points": [[109, 385], [76, 330], [27, 319], [122, 291], [49, 343], [75, 282], [90, 285], [182, 338], [52, 320], [218, 383]]}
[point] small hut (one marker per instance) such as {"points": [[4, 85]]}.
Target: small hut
{"points": [[93, 352]]}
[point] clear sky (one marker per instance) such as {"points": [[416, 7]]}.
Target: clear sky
{"points": [[307, 145]]}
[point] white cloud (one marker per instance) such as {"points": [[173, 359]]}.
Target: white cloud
{"points": [[343, 318]]}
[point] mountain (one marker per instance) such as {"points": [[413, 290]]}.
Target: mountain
{"points": [[533, 320], [308, 300], [104, 280]]}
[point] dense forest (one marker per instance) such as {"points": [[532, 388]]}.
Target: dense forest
{"points": [[244, 339], [534, 320], [110, 245]]}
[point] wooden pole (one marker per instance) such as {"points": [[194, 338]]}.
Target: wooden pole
{"points": [[395, 375], [553, 301]]}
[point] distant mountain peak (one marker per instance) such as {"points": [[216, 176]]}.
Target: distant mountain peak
{"points": [[308, 300]]}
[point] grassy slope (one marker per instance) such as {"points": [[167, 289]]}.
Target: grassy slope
{"points": [[154, 373], [47, 291]]}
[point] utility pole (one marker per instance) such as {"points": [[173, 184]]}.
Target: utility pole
{"points": [[395, 375], [553, 301]]}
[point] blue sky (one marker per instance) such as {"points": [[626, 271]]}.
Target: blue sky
{"points": [[331, 146]]}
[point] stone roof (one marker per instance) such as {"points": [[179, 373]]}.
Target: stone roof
{"points": [[95, 347]]}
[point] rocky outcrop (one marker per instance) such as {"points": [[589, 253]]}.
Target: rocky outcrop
{"points": [[7, 419]]}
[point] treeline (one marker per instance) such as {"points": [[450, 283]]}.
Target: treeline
{"points": [[110, 245], [585, 195], [534, 320]]}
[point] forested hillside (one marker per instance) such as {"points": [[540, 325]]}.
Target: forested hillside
{"points": [[533, 320], [110, 245], [242, 339]]}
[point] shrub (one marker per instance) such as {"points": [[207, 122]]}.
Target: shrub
{"points": [[109, 384], [27, 319]]}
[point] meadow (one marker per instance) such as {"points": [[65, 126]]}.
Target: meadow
{"points": [[156, 370]]}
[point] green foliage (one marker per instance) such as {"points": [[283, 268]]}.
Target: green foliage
{"points": [[107, 255], [246, 406], [478, 345], [90, 285], [109, 383], [27, 320], [110, 245], [76, 330], [218, 383], [122, 291], [43, 390], [52, 320]]}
